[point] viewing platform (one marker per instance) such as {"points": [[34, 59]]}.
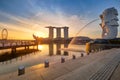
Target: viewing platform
{"points": [[89, 67]]}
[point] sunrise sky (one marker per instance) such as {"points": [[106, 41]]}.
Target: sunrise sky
{"points": [[23, 18]]}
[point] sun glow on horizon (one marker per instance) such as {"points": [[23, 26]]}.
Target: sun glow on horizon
{"points": [[40, 47], [40, 34]]}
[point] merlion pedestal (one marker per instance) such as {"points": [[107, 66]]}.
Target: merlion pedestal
{"points": [[109, 23]]}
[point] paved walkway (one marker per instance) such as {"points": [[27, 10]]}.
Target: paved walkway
{"points": [[79, 69], [116, 75]]}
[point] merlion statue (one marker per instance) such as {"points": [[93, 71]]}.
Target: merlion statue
{"points": [[109, 23]]}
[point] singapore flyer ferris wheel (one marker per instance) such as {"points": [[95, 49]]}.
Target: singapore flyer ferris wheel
{"points": [[4, 34]]}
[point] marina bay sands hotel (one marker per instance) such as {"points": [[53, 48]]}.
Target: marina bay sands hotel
{"points": [[58, 32]]}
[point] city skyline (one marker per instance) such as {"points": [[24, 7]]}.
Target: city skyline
{"points": [[23, 18]]}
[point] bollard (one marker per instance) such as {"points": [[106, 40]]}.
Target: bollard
{"points": [[99, 49], [92, 51], [21, 70], [46, 64], [62, 60], [87, 53], [74, 57], [96, 50], [6, 62], [11, 61], [82, 54]]}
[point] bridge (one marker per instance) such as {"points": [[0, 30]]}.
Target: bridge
{"points": [[13, 44]]}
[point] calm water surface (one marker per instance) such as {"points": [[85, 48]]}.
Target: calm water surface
{"points": [[46, 52]]}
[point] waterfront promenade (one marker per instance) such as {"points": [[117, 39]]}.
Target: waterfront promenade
{"points": [[82, 68]]}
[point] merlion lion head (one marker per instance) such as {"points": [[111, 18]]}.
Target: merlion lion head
{"points": [[109, 23]]}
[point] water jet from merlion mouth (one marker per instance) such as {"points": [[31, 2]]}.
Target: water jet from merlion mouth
{"points": [[83, 29], [76, 46]]}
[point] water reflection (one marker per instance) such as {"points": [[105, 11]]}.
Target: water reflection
{"points": [[58, 47], [40, 47], [51, 47], [65, 46], [8, 56], [44, 50]]}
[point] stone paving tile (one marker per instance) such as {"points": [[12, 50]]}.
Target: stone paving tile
{"points": [[116, 74]]}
